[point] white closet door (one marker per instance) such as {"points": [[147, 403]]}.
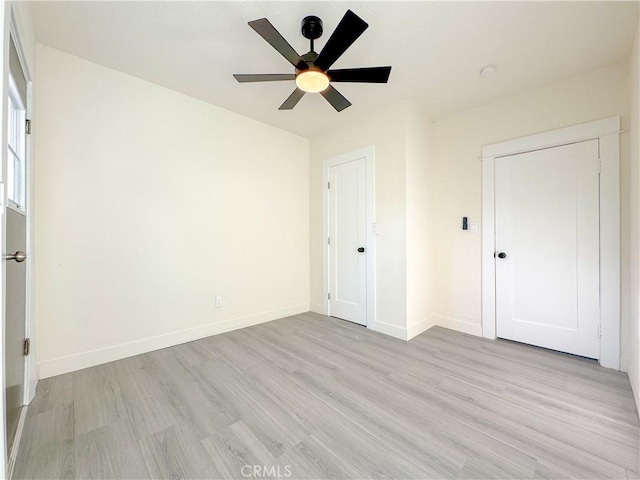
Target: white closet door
{"points": [[547, 248], [347, 233]]}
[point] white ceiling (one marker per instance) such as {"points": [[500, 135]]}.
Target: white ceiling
{"points": [[436, 49]]}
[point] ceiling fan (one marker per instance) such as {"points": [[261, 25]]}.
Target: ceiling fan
{"points": [[312, 73]]}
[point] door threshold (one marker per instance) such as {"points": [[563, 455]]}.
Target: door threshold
{"points": [[350, 321]]}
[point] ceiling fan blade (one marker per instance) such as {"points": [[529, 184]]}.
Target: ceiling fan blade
{"points": [[348, 30], [293, 100], [335, 98], [264, 77], [365, 75], [267, 31]]}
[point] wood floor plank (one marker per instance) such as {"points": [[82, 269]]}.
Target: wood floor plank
{"points": [[177, 453], [192, 353], [599, 441], [319, 398], [530, 440], [224, 348], [434, 453], [589, 425], [52, 393], [481, 469], [469, 368], [47, 448], [109, 452], [265, 352], [235, 450], [324, 462], [302, 350], [96, 398], [633, 474], [548, 360], [269, 421], [611, 396], [147, 408], [369, 452], [193, 407], [439, 416]]}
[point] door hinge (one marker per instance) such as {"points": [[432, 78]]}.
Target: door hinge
{"points": [[28, 126], [27, 346], [328, 240], [599, 330], [328, 184], [328, 296]]}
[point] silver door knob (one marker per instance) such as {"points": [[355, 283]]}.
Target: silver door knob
{"points": [[18, 256]]}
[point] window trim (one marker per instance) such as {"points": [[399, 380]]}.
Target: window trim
{"points": [[14, 94]]}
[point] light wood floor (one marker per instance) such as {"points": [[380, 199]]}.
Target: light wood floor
{"points": [[322, 398]]}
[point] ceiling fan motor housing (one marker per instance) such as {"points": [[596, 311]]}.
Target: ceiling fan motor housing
{"points": [[309, 58], [311, 27]]}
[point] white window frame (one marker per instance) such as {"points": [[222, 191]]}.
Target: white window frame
{"points": [[22, 156], [607, 132]]}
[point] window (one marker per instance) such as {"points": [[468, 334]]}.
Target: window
{"points": [[17, 164]]}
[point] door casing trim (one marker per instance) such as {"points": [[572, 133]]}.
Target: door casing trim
{"points": [[607, 132], [369, 154]]}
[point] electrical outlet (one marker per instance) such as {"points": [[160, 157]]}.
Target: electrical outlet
{"points": [[474, 227], [218, 301]]}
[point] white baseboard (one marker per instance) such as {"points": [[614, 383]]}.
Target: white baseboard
{"points": [[391, 330], [13, 454], [316, 308], [71, 363], [459, 325], [418, 328], [634, 379], [624, 364]]}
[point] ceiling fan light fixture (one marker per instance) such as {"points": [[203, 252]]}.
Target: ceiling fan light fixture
{"points": [[312, 81]]}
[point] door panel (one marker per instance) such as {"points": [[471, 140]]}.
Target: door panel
{"points": [[15, 321], [347, 229], [547, 224]]}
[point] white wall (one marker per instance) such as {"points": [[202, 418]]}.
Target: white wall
{"points": [[148, 204], [634, 215], [401, 138], [386, 131], [457, 179], [419, 198]]}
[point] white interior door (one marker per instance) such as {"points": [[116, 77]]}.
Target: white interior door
{"points": [[347, 241], [547, 248], [15, 266]]}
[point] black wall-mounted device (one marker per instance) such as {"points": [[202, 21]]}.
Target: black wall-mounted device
{"points": [[465, 225]]}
